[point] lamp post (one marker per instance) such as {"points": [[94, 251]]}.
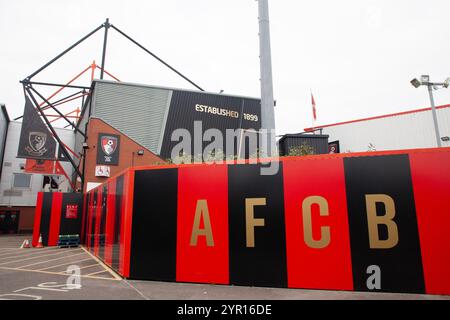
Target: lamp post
{"points": [[425, 81]]}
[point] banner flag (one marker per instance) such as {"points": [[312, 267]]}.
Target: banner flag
{"points": [[36, 141]]}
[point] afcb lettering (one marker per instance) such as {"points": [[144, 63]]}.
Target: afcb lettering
{"points": [[374, 220]]}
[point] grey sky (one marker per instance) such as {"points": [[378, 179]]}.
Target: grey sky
{"points": [[357, 56]]}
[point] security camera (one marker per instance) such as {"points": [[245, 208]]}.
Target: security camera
{"points": [[85, 145], [416, 83]]}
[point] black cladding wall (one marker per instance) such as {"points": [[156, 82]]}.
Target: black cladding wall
{"points": [[319, 143], [263, 264], [45, 218], [183, 114], [71, 226], [150, 114], [160, 240], [384, 175]]}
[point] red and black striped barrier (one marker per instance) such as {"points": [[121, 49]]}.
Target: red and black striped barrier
{"points": [[57, 214], [375, 221]]}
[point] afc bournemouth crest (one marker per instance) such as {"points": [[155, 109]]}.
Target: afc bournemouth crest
{"points": [[108, 149], [109, 145], [36, 144]]}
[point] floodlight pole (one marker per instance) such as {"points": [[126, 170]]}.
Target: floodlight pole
{"points": [[433, 111], [267, 100]]}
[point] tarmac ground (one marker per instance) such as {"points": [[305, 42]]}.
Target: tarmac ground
{"points": [[74, 274]]}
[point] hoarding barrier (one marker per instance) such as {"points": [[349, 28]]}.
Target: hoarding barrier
{"points": [[377, 221], [57, 214]]}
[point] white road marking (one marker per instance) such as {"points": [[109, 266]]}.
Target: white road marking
{"points": [[91, 274], [20, 295], [39, 288], [63, 264], [40, 256], [31, 254], [58, 273], [28, 265], [23, 253], [112, 272], [90, 266]]}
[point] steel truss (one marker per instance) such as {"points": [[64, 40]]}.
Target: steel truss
{"points": [[84, 93]]}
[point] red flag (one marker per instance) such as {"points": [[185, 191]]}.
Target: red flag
{"points": [[313, 103]]}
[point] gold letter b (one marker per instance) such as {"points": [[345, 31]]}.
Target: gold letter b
{"points": [[373, 220]]}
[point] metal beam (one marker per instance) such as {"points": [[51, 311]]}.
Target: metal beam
{"points": [[105, 41], [54, 103], [63, 100], [157, 58], [57, 111], [64, 52], [55, 135], [53, 84]]}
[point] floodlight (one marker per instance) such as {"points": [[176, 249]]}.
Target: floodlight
{"points": [[416, 83], [447, 83], [425, 79]]}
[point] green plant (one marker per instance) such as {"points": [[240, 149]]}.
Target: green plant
{"points": [[303, 150]]}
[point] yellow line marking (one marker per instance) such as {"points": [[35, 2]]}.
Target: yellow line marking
{"points": [[93, 265], [24, 253], [58, 273], [33, 264], [112, 272], [62, 264], [32, 255], [41, 256], [103, 271]]}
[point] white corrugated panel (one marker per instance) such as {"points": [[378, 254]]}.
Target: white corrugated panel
{"points": [[136, 111], [407, 131]]}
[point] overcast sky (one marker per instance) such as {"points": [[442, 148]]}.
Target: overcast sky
{"points": [[357, 56]]}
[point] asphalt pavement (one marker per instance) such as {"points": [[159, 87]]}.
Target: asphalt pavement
{"points": [[74, 274]]}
